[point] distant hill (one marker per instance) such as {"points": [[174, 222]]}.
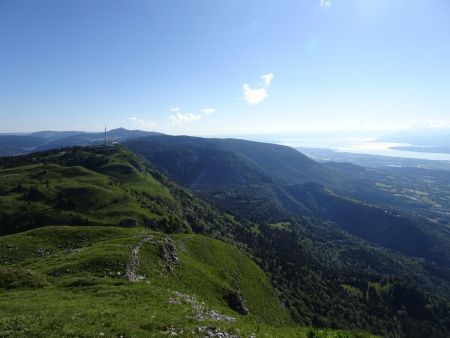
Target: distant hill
{"points": [[276, 162], [18, 144], [54, 135], [84, 139], [46, 140]]}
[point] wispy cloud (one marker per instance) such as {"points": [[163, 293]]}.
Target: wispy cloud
{"points": [[181, 119], [208, 111], [267, 78], [257, 94], [325, 3], [142, 124]]}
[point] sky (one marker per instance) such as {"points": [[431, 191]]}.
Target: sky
{"points": [[224, 67]]}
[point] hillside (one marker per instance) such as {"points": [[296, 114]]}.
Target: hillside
{"points": [[275, 162], [323, 275], [75, 281], [95, 186], [269, 183], [307, 234], [383, 226]]}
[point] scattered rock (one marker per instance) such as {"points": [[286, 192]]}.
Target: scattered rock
{"points": [[43, 251], [133, 263], [201, 313], [209, 331], [173, 331]]}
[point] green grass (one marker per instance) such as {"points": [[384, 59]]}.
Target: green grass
{"points": [[59, 192], [69, 282], [92, 186]]}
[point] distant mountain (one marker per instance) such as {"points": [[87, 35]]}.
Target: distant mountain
{"points": [[54, 135], [84, 139], [18, 144], [46, 140]]}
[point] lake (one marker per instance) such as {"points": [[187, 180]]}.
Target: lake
{"points": [[367, 146]]}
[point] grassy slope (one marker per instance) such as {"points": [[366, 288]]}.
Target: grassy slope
{"points": [[58, 193], [69, 282], [95, 186], [106, 186]]}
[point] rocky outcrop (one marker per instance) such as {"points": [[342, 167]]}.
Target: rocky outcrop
{"points": [[236, 301], [169, 253]]}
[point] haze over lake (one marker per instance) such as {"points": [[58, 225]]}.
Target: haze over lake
{"points": [[360, 145]]}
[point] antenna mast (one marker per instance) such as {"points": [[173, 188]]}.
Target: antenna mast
{"points": [[105, 135]]}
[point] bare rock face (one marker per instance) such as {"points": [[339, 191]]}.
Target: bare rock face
{"points": [[169, 254], [236, 301]]}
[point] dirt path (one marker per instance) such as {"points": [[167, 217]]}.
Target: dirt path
{"points": [[133, 263]]}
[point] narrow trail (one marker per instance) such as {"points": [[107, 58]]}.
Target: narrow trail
{"points": [[133, 263]]}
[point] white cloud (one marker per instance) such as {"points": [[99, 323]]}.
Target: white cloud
{"points": [[208, 111], [142, 124], [257, 95], [254, 96], [267, 78], [181, 119], [325, 3]]}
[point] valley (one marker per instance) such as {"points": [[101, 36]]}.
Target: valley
{"points": [[326, 259]]}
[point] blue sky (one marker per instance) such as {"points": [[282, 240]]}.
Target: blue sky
{"points": [[223, 67]]}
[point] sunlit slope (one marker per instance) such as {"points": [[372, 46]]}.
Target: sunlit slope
{"points": [[70, 281], [94, 186]]}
